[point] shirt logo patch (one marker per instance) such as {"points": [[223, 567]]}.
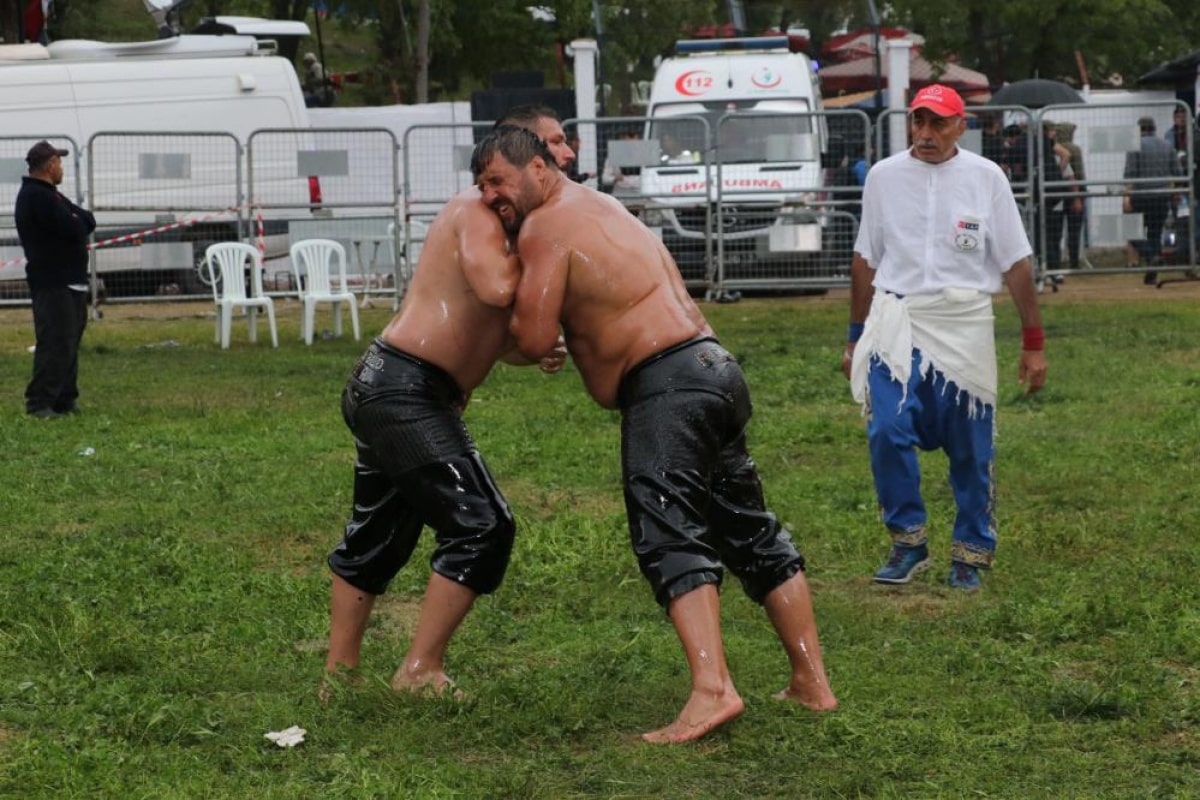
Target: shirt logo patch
{"points": [[966, 234]]}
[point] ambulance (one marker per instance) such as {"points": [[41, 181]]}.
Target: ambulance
{"points": [[761, 135]]}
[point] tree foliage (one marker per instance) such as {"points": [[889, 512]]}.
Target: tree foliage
{"points": [[1019, 39], [469, 40]]}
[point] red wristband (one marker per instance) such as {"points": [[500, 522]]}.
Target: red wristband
{"points": [[1033, 338]]}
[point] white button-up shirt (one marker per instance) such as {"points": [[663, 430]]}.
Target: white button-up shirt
{"points": [[929, 227]]}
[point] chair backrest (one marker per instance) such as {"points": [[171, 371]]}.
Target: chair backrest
{"points": [[227, 269], [318, 260]]}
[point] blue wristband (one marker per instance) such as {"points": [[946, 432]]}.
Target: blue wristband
{"points": [[855, 333]]}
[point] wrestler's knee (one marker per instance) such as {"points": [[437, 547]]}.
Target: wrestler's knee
{"points": [[369, 578], [683, 584], [759, 583], [476, 554]]}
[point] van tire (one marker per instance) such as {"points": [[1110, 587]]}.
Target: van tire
{"points": [[196, 280]]}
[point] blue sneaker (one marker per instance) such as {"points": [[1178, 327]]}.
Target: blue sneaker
{"points": [[964, 576], [903, 564]]}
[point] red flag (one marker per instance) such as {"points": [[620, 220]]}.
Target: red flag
{"points": [[36, 13]]}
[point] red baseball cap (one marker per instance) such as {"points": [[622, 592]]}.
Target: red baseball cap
{"points": [[941, 100]]}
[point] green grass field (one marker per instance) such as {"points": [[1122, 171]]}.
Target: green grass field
{"points": [[164, 601]]}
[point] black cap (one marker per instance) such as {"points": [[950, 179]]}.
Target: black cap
{"points": [[42, 152], [1147, 124]]}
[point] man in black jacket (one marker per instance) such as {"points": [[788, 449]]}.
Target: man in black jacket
{"points": [[54, 234]]}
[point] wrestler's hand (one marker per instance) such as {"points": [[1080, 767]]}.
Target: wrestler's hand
{"points": [[1032, 371], [847, 358], [554, 361]]}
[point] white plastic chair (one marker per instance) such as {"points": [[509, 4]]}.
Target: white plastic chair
{"points": [[314, 261], [226, 263]]}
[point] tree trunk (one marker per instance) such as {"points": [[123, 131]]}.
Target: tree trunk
{"points": [[423, 52], [10, 20]]}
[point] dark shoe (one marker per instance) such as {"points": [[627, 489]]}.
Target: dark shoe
{"points": [[964, 576], [1150, 278], [45, 413], [903, 564], [71, 409]]}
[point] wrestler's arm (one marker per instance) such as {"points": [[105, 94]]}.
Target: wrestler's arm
{"points": [[862, 277], [550, 363], [1019, 280], [491, 268], [541, 292]]}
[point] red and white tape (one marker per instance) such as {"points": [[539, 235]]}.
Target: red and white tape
{"points": [[129, 237]]}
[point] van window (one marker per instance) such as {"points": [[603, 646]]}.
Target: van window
{"points": [[748, 139]]}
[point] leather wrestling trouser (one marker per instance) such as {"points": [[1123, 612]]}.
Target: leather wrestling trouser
{"points": [[692, 492], [417, 465]]}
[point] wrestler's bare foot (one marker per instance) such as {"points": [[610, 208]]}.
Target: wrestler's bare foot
{"points": [[704, 712], [814, 698], [422, 681], [334, 681]]}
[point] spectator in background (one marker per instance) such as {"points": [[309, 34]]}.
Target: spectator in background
{"points": [[1154, 158], [1015, 159], [54, 233], [1073, 211], [1177, 138], [318, 92], [1053, 160], [993, 139], [1177, 135]]}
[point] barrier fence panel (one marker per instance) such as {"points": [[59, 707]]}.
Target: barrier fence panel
{"points": [[331, 183], [13, 290], [788, 198], [1131, 209], [436, 163], [159, 200]]}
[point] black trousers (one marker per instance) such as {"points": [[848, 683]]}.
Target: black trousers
{"points": [[59, 317], [1074, 233]]}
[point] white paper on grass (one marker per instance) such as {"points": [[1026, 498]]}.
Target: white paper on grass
{"points": [[289, 737]]}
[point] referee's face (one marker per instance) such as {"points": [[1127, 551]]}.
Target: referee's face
{"points": [[934, 138]]}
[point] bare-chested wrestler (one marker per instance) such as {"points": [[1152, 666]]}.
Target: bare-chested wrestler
{"points": [[692, 492], [417, 464]]}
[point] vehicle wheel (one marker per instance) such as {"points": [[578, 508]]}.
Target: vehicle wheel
{"points": [[198, 279]]}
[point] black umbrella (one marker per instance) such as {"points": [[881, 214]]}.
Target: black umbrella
{"points": [[1035, 93]]}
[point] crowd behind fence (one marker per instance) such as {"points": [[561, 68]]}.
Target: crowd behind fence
{"points": [[743, 200]]}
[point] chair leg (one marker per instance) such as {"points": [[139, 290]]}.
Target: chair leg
{"points": [[337, 319], [354, 320], [226, 327], [271, 322], [309, 312]]}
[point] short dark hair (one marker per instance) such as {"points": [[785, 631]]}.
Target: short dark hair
{"points": [[1146, 124], [526, 116], [518, 146]]}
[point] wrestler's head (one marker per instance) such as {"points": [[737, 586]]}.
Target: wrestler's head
{"points": [[543, 121], [509, 165]]}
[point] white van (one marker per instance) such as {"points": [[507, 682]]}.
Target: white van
{"points": [[758, 99], [207, 84]]}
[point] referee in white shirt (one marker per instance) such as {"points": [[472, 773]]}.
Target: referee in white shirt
{"points": [[940, 232]]}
